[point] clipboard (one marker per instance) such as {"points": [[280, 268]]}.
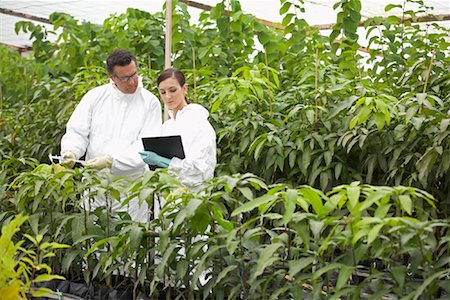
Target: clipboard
{"points": [[167, 146]]}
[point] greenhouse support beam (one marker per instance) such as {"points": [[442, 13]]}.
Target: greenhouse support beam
{"points": [[168, 42], [209, 7], [19, 49], [24, 16], [419, 19], [168, 47]]}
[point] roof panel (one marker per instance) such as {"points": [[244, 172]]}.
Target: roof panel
{"points": [[316, 11]]}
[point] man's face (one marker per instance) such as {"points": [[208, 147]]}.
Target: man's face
{"points": [[126, 78]]}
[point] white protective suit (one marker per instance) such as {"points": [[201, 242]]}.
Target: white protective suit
{"points": [[199, 145], [109, 122]]}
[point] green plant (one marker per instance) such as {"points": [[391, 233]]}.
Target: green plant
{"points": [[332, 175], [20, 266]]}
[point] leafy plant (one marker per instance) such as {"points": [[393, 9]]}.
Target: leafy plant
{"points": [[22, 267], [333, 167]]}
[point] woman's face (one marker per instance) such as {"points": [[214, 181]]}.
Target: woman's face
{"points": [[173, 94]]}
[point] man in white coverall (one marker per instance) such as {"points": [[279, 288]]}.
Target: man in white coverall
{"points": [[108, 124]]}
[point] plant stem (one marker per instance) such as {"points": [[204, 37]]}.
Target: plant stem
{"points": [[194, 73], [149, 63], [316, 87], [108, 219], [242, 266], [268, 81], [403, 26], [428, 72], [1, 99], [426, 269]]}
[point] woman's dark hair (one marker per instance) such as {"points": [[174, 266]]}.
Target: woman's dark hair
{"points": [[119, 57], [172, 73]]}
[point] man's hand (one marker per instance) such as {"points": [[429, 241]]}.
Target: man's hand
{"points": [[69, 160], [99, 162], [151, 158]]}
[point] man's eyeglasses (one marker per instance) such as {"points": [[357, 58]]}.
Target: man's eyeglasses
{"points": [[126, 78]]}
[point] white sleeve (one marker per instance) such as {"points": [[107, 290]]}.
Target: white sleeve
{"points": [[128, 161], [78, 127], [200, 160]]}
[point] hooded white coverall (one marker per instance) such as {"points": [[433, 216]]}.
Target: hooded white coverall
{"points": [[109, 122], [199, 145]]}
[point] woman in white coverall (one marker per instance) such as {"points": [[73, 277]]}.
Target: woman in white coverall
{"points": [[108, 123], [197, 135]]}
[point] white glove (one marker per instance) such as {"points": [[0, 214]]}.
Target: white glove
{"points": [[99, 162], [69, 162]]}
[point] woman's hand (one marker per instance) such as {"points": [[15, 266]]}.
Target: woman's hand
{"points": [[151, 158]]}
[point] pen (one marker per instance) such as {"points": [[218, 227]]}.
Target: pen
{"points": [[60, 158]]}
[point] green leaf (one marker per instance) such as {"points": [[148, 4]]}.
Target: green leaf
{"points": [[142, 274], [290, 204], [325, 269], [353, 122], [264, 37], [224, 273], [429, 280], [216, 105], [236, 26], [338, 170], [292, 158], [371, 199], [98, 244], [426, 162], [373, 233], [406, 203], [379, 119], [40, 292], [231, 243], [47, 277], [192, 206], [136, 234], [231, 183], [296, 266], [392, 6], [248, 206], [247, 192], [353, 193], [399, 274], [179, 219], [359, 234], [364, 114], [316, 228], [181, 268], [68, 259], [393, 20], [312, 197], [227, 225], [382, 211], [287, 19], [163, 264], [344, 274], [444, 124], [266, 258], [285, 7]]}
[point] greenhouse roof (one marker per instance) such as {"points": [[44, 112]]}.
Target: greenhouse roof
{"points": [[317, 12]]}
